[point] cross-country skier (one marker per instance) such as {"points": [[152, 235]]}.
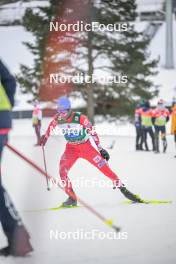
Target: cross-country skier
{"points": [[159, 119], [36, 120], [77, 132], [173, 123], [14, 230]]}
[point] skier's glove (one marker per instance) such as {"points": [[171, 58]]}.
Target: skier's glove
{"points": [[104, 154], [43, 140]]}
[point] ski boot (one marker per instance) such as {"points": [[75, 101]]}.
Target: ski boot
{"points": [[137, 147], [19, 245], [141, 147], [129, 195], [69, 202], [156, 149], [5, 252]]}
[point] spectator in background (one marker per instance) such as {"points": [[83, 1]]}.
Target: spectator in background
{"points": [[173, 122], [159, 119], [138, 126], [14, 230], [147, 125], [36, 120]]}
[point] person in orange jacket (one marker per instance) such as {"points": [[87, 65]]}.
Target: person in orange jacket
{"points": [[173, 122]]}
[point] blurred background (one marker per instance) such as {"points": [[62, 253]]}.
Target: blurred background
{"points": [[146, 53]]}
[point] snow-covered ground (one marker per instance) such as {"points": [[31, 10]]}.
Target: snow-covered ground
{"points": [[147, 231]]}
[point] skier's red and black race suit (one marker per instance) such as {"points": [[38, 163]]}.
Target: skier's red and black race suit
{"points": [[77, 130]]}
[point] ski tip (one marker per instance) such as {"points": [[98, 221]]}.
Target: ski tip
{"points": [[149, 202], [157, 202]]}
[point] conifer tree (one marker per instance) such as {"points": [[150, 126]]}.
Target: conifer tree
{"points": [[118, 53]]}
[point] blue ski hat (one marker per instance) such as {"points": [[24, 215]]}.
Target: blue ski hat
{"points": [[63, 103]]}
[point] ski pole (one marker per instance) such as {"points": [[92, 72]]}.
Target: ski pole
{"points": [[44, 160], [106, 221]]}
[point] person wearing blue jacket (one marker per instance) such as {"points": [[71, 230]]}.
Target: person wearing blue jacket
{"points": [[12, 225]]}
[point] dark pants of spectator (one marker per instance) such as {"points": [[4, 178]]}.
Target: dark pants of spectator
{"points": [[138, 138], [162, 130], [9, 217], [145, 132], [37, 132]]}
